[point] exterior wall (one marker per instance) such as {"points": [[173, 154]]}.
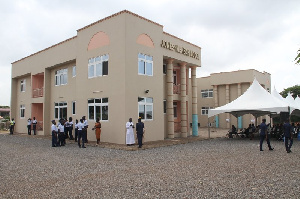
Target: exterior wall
{"points": [[238, 82], [125, 35]]}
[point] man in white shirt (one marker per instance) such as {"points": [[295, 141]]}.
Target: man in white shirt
{"points": [[84, 130], [81, 133], [34, 122], [54, 134], [61, 133], [29, 126], [129, 133]]}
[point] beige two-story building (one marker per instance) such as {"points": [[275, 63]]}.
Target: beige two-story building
{"points": [[221, 88], [119, 67]]}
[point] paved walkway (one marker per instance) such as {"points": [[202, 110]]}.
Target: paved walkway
{"points": [[203, 135]]}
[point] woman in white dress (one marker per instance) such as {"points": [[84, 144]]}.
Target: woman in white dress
{"points": [[129, 133]]}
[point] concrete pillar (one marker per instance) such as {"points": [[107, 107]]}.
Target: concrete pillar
{"points": [[194, 102], [227, 101], [170, 108], [183, 100]]}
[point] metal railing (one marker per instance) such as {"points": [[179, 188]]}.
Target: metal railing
{"points": [[37, 92]]}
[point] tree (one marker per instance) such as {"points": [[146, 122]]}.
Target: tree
{"points": [[297, 59], [294, 90]]}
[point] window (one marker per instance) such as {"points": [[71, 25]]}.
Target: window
{"points": [[164, 69], [204, 110], [23, 85], [61, 77], [74, 71], [98, 108], [174, 77], [98, 66], [60, 110], [208, 93], [145, 64], [145, 108], [165, 106], [22, 111], [74, 107], [175, 109]]}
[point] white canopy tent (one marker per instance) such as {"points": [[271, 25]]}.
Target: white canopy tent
{"points": [[293, 104], [256, 101]]}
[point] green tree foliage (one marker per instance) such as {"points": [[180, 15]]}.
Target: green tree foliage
{"points": [[294, 90], [297, 59]]}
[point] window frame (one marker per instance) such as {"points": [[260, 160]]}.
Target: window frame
{"points": [[146, 104], [102, 61], [207, 93], [205, 110], [73, 107], [22, 111], [143, 58], [59, 107], [74, 71], [23, 85], [61, 77], [101, 105]]}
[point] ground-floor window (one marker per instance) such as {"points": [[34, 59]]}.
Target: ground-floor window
{"points": [[74, 107], [22, 111], [204, 110], [98, 108], [60, 110], [145, 108]]}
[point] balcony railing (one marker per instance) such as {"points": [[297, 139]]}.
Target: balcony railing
{"points": [[176, 89], [37, 92]]}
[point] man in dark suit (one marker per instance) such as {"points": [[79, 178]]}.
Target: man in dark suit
{"points": [[139, 132]]}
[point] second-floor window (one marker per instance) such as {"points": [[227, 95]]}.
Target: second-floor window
{"points": [[207, 93], [98, 66], [61, 77], [74, 71], [145, 64], [23, 85]]}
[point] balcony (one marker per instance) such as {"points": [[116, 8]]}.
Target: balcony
{"points": [[38, 85], [37, 92], [176, 89]]}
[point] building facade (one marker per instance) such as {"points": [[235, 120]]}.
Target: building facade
{"points": [[219, 89], [123, 66]]}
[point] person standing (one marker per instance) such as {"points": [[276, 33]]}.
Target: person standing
{"points": [[264, 134], [12, 126], [70, 128], [129, 133], [140, 132], [61, 133], [34, 123], [97, 129], [76, 130], [80, 133], [29, 126], [84, 130], [288, 136], [54, 134]]}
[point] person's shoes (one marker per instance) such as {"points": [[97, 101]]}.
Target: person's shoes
{"points": [[79, 146], [128, 144], [261, 150], [289, 151], [83, 147], [75, 140], [53, 146], [271, 149]]}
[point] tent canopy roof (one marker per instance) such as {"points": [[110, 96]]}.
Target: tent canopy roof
{"points": [[256, 100]]}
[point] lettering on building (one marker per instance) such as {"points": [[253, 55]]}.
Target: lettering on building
{"points": [[179, 49]]}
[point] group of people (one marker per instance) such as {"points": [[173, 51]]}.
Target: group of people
{"points": [[140, 129], [32, 122], [265, 131], [64, 130]]}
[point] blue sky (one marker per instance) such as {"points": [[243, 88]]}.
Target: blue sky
{"points": [[233, 34]]}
